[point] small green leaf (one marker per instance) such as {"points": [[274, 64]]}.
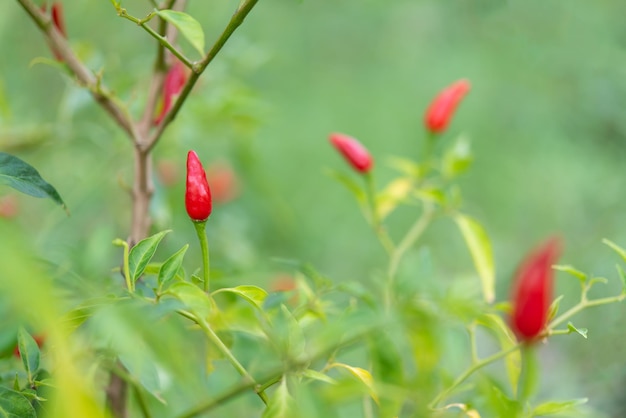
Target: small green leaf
{"points": [[479, 246], [141, 254], [16, 383], [29, 352], [193, 297], [595, 280], [362, 375], [26, 179], [188, 27], [431, 194], [350, 184], [171, 266], [619, 250], [554, 308], [558, 407], [253, 294], [315, 375], [406, 166], [622, 276], [581, 331], [396, 192], [571, 270], [458, 158], [14, 405], [281, 404]]}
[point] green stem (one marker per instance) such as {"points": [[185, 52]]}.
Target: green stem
{"points": [[471, 370], [219, 344], [375, 220], [583, 304], [126, 264], [204, 246]]}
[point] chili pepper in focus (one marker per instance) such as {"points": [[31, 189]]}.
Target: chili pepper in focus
{"points": [[175, 80], [441, 109], [353, 151], [197, 192], [532, 291]]}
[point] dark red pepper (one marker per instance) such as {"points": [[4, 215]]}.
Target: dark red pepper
{"points": [[442, 108], [532, 291], [56, 12], [175, 80], [197, 192], [353, 151]]}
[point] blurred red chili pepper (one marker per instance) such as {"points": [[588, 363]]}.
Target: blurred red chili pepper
{"points": [[174, 81], [532, 291], [9, 206], [56, 12], [441, 109], [223, 182], [39, 339], [197, 192], [353, 151]]}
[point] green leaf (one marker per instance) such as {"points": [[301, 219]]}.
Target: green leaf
{"points": [[558, 407], [581, 331], [253, 294], [281, 404], [26, 179], [458, 158], [431, 194], [141, 254], [171, 266], [15, 405], [619, 250], [393, 195], [479, 246], [571, 270], [315, 375], [349, 184], [406, 166], [513, 361], [29, 352], [622, 276], [188, 27], [554, 308], [192, 297], [361, 375]]}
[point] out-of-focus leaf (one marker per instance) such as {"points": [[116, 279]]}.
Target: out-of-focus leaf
{"points": [[619, 250], [505, 337], [622, 276], [26, 179], [480, 248], [252, 294], [361, 375], [141, 254], [15, 405], [558, 407], [396, 192], [350, 184], [188, 27], [281, 404], [315, 375], [171, 266], [458, 158], [580, 331], [406, 166], [554, 307], [431, 194], [572, 271], [192, 297], [29, 352]]}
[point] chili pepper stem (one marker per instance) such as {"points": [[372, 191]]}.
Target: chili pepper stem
{"points": [[375, 220], [204, 246]]}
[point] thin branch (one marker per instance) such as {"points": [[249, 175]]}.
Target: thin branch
{"points": [[84, 75], [198, 68]]}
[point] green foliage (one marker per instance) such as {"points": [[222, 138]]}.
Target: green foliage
{"points": [[189, 27]]}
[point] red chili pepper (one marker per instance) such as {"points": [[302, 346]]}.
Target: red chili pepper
{"points": [[442, 108], [353, 151], [175, 79], [197, 192], [532, 292]]}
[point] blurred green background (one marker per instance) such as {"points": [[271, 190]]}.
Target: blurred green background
{"points": [[546, 116]]}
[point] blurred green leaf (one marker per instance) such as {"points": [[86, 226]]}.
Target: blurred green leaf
{"points": [[580, 331], [350, 184], [480, 248], [554, 307], [29, 352], [192, 297], [622, 276], [458, 158], [281, 404], [431, 194], [141, 254], [26, 179], [619, 250], [15, 405], [188, 27], [406, 166], [571, 270], [315, 375], [393, 195], [253, 294], [361, 375], [558, 407], [171, 266], [513, 361]]}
